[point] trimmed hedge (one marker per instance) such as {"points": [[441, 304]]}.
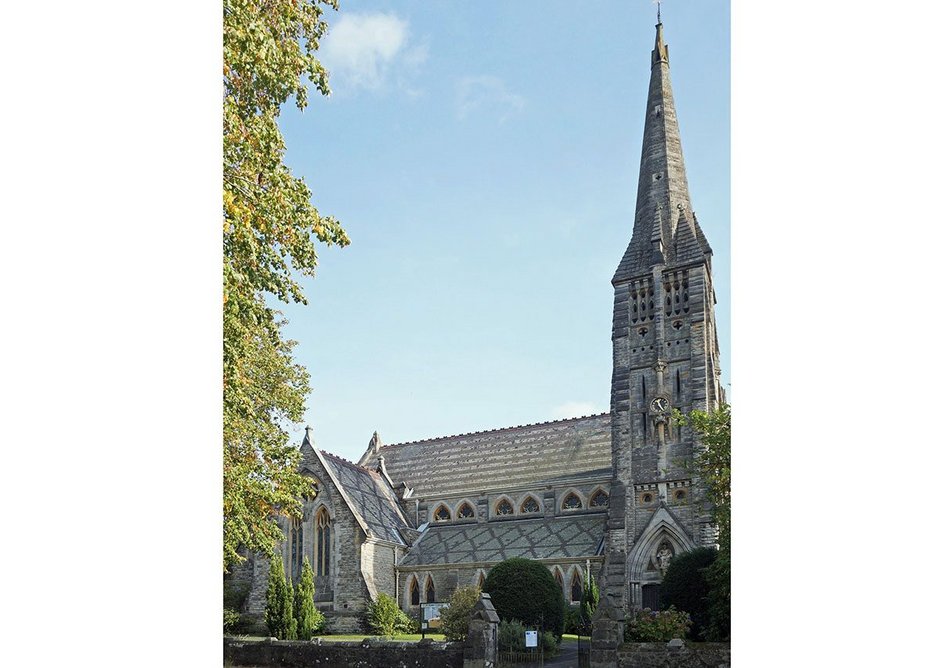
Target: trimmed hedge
{"points": [[524, 590]]}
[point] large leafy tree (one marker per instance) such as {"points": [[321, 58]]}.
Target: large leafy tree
{"points": [[712, 462], [269, 230]]}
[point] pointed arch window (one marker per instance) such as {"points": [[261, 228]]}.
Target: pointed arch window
{"points": [[415, 592], [482, 580], [572, 502], [465, 512], [296, 549], [559, 579], [431, 594], [442, 514], [600, 499], [530, 505], [504, 507], [323, 542], [576, 587]]}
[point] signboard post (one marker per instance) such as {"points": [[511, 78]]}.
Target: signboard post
{"points": [[531, 638]]}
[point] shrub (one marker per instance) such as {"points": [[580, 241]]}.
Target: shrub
{"points": [[685, 587], [230, 619], [718, 579], [511, 636], [454, 619], [589, 600], [550, 643], [385, 618], [525, 590], [310, 621], [279, 611], [662, 626]]}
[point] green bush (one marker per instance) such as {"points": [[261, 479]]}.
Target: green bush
{"points": [[511, 636], [718, 579], [454, 619], [385, 618], [525, 590], [310, 621], [662, 626], [279, 611], [685, 587], [550, 643], [230, 619]]}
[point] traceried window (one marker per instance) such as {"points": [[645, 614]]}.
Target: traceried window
{"points": [[504, 507], [559, 579], [323, 535], [442, 514], [296, 549], [465, 512], [415, 592], [431, 594], [572, 502], [576, 588], [600, 499], [529, 505]]}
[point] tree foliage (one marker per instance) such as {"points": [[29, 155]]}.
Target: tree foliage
{"points": [[454, 619], [279, 611], [712, 463], [309, 620], [269, 230], [385, 618], [685, 586], [589, 600], [524, 590]]}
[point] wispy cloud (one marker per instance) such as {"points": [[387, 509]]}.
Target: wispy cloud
{"points": [[571, 409], [363, 50], [486, 94]]}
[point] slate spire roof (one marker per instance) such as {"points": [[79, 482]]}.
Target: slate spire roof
{"points": [[665, 229]]}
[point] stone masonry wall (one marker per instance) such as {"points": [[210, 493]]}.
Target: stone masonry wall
{"points": [[366, 654], [661, 655]]}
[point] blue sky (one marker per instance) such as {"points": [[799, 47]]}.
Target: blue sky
{"points": [[483, 158]]}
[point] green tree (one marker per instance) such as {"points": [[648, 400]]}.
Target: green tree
{"points": [[268, 235], [686, 587], [279, 611], [385, 618], [454, 619], [589, 600], [309, 620], [524, 590], [712, 463]]}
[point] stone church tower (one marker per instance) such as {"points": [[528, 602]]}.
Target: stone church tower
{"points": [[665, 356]]}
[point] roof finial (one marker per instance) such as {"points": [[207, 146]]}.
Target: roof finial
{"points": [[658, 11]]}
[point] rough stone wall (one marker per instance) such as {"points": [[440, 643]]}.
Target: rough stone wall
{"points": [[366, 654], [661, 655]]}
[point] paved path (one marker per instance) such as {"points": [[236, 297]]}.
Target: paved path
{"points": [[566, 658]]}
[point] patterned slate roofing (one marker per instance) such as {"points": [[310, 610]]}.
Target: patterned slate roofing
{"points": [[374, 500], [501, 458], [538, 538]]}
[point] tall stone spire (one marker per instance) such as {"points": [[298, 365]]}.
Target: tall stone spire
{"points": [[663, 186]]}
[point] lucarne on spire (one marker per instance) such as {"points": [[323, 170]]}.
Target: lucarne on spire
{"points": [[663, 186]]}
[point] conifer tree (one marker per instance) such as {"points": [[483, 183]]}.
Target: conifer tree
{"points": [[309, 619], [589, 600], [279, 611]]}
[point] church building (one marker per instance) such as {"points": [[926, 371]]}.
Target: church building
{"points": [[608, 495]]}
